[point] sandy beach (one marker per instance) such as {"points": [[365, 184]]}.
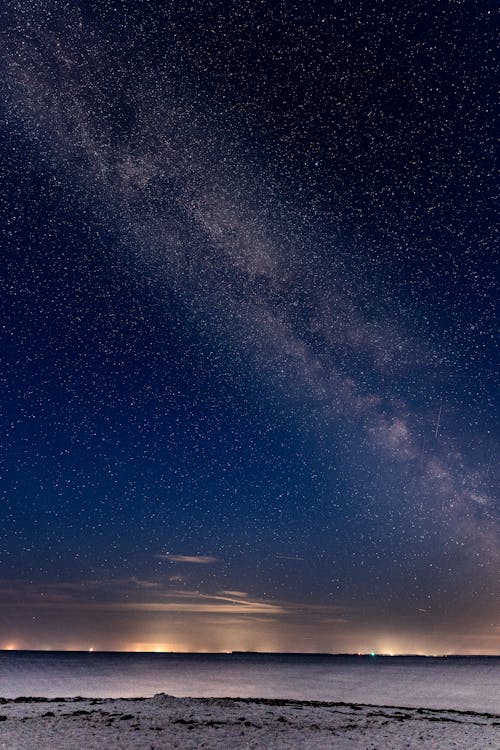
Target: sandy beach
{"points": [[215, 723]]}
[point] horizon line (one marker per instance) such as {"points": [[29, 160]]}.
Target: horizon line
{"points": [[371, 654]]}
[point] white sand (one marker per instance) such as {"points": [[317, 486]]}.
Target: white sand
{"points": [[191, 723]]}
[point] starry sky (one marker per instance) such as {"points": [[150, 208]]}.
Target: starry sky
{"points": [[248, 326]]}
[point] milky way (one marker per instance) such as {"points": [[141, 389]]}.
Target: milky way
{"points": [[250, 327]]}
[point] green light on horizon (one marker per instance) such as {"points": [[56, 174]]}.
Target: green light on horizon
{"points": [[372, 653]]}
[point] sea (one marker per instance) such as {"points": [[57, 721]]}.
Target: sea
{"points": [[460, 683]]}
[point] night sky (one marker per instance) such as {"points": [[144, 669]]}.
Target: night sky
{"points": [[248, 326]]}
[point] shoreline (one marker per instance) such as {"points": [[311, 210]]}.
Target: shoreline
{"points": [[219, 723]]}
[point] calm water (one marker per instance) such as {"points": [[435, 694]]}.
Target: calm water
{"points": [[461, 683]]}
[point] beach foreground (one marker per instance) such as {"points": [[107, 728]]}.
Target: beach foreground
{"points": [[215, 723]]}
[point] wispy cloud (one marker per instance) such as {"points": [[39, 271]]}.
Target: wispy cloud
{"points": [[238, 594], [142, 583], [192, 559], [123, 595]]}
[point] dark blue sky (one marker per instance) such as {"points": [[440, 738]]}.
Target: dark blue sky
{"points": [[248, 318]]}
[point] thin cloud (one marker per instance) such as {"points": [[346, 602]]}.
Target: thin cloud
{"points": [[227, 603], [192, 559], [141, 583], [238, 594]]}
